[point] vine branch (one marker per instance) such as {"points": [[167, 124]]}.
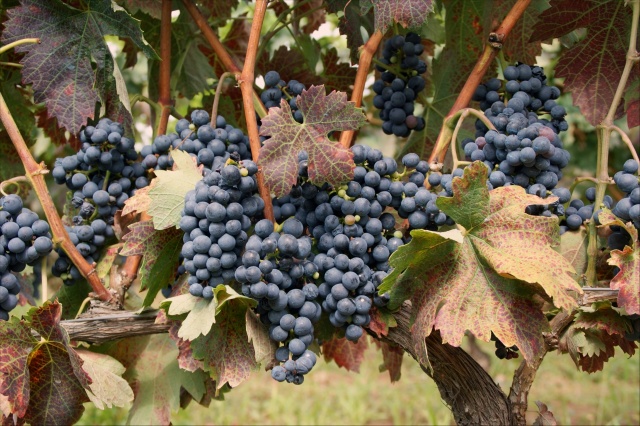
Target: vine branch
{"points": [[246, 85], [164, 86], [366, 55], [477, 74], [35, 174]]}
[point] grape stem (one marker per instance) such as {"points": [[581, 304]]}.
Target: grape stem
{"points": [[603, 131], [164, 83], [35, 173], [12, 181], [17, 43], [245, 81], [364, 62], [477, 74], [627, 141], [221, 52], [216, 99], [454, 137]]}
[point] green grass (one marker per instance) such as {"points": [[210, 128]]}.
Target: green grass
{"points": [[331, 395]]}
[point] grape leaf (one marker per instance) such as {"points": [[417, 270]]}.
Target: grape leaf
{"points": [[328, 160], [186, 361], [153, 9], [140, 201], [297, 65], [160, 252], [220, 9], [632, 102], [106, 260], [258, 335], [200, 314], [345, 353], [312, 11], [351, 23], [627, 281], [154, 376], [593, 67], [484, 276], [518, 47], [167, 196], [408, 13], [108, 388], [392, 355], [16, 343], [60, 68], [545, 417], [226, 351], [337, 75], [573, 246], [43, 379], [381, 320], [592, 338]]}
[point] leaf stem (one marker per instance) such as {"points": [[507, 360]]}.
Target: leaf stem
{"points": [[35, 173], [627, 141], [246, 85], [603, 131], [17, 43], [216, 99], [164, 83], [477, 74], [366, 55]]}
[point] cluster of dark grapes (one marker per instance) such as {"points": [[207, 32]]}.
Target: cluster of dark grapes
{"points": [[399, 84], [24, 240], [503, 352], [277, 89], [101, 177], [628, 207], [212, 145]]}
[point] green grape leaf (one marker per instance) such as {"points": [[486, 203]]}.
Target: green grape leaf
{"points": [[627, 280], [160, 251], [167, 195], [43, 379], [573, 247], [328, 160], [108, 388], [486, 275], [351, 23], [592, 338], [72, 41], [346, 354], [16, 343], [226, 351], [408, 13], [153, 372], [592, 67]]}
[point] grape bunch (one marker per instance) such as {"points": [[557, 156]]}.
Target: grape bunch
{"points": [[503, 352], [277, 89], [399, 84], [627, 181], [211, 145], [101, 177], [24, 239]]}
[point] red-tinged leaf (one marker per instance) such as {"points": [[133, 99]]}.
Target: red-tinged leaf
{"points": [[72, 41], [380, 322], [627, 280], [106, 260], [391, 360], [338, 75], [16, 343], [312, 11], [632, 102], [226, 351], [186, 361], [408, 13], [351, 23], [593, 67], [160, 252], [485, 276], [140, 201], [518, 47], [328, 160], [345, 353], [592, 338], [545, 417], [57, 134]]}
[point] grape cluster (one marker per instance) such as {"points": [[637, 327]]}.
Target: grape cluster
{"points": [[503, 352], [628, 207], [277, 89], [211, 145], [24, 239], [399, 84], [101, 176]]}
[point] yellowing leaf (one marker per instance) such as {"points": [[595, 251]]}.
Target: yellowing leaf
{"points": [[108, 388], [167, 196], [328, 160], [491, 279]]}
